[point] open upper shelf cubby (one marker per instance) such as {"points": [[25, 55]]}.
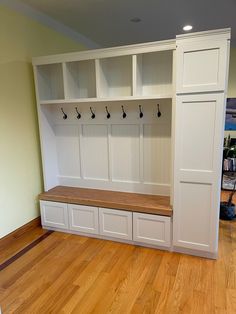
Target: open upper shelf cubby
{"points": [[50, 81], [154, 73], [80, 79], [115, 77], [136, 76]]}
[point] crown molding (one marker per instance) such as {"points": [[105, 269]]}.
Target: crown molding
{"points": [[224, 32], [108, 52], [49, 22]]}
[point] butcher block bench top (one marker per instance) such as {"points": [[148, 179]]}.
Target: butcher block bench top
{"points": [[143, 203]]}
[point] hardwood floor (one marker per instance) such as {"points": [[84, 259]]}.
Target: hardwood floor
{"points": [[16, 241], [72, 274]]}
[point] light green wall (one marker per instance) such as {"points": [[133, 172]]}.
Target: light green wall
{"points": [[20, 166]]}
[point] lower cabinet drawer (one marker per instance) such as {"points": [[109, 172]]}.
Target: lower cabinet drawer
{"points": [[54, 214], [115, 223], [83, 218], [120, 224], [151, 229]]}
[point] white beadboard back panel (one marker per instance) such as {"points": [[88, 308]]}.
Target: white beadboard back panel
{"points": [[125, 145], [156, 153], [68, 150], [115, 76], [154, 73], [131, 154], [50, 81], [94, 149], [80, 79]]}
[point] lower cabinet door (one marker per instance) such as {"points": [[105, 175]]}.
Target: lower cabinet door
{"points": [[115, 223], [151, 229], [54, 214], [83, 218]]}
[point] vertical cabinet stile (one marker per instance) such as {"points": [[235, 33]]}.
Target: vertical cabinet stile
{"points": [[97, 77], [141, 166], [173, 107], [134, 75], [109, 153], [65, 83], [200, 106]]}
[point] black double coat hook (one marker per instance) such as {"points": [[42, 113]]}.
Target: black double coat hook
{"points": [[158, 111], [124, 115], [78, 114], [140, 112], [92, 113], [64, 114], [108, 113]]}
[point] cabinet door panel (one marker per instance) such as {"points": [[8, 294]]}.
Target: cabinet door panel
{"points": [[115, 223], [201, 66], [151, 229], [197, 171], [83, 218], [54, 214]]}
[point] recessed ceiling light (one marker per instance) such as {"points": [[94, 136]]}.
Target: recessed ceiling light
{"points": [[187, 28], [135, 20]]}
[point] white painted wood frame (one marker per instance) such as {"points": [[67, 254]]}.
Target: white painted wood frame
{"points": [[202, 67]]}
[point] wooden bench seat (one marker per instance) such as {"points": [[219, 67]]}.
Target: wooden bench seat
{"points": [[144, 203]]}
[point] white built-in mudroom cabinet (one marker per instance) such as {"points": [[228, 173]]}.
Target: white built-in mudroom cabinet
{"points": [[131, 141]]}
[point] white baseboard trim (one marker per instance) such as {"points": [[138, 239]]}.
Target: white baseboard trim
{"points": [[100, 237], [203, 254]]}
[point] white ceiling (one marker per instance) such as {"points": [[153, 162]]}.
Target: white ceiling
{"points": [[107, 22]]}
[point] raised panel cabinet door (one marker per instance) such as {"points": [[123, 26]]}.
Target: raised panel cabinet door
{"points": [[202, 63], [83, 218], [152, 229], [115, 223], [197, 171], [54, 214]]}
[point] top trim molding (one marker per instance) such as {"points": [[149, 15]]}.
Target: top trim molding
{"points": [[148, 47], [50, 22], [224, 32], [107, 52]]}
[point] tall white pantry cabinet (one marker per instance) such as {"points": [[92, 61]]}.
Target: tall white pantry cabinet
{"points": [[145, 118]]}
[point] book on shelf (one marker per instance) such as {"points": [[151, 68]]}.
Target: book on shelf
{"points": [[228, 181], [229, 164]]}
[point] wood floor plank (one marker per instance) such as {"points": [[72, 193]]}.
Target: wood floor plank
{"points": [[15, 242], [123, 256], [30, 283], [65, 273], [72, 274]]}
